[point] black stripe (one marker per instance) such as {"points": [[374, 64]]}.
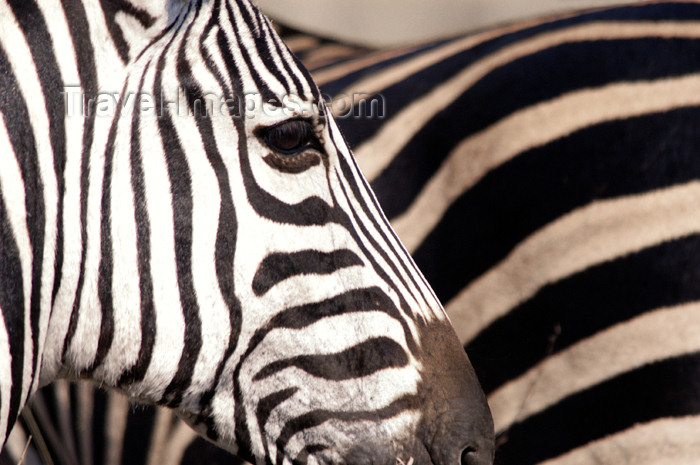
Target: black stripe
{"points": [[359, 300], [541, 185], [265, 407], [318, 417], [227, 232], [138, 435], [19, 130], [33, 26], [262, 46], [12, 307], [358, 361], [668, 388], [78, 24], [143, 239], [106, 266], [265, 92], [242, 434], [584, 304], [181, 190], [398, 96], [399, 251], [277, 267], [111, 8], [280, 48], [227, 226], [24, 146], [519, 84]]}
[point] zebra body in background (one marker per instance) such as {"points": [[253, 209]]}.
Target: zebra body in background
{"points": [[225, 260], [544, 176]]}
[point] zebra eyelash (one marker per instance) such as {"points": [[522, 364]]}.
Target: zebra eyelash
{"points": [[294, 144]]}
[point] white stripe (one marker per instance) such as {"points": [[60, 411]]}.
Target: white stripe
{"points": [[168, 344], [16, 444], [668, 441], [110, 77], [214, 313], [593, 234], [376, 154], [5, 377], [387, 77], [12, 191], [161, 424], [115, 427], [13, 43], [248, 42], [84, 343], [477, 155], [125, 280], [417, 286], [84, 414], [178, 442], [653, 336], [20, 57], [72, 244]]}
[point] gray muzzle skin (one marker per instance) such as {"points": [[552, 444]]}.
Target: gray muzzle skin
{"points": [[456, 427]]}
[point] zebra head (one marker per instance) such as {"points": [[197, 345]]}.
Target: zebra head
{"points": [[338, 350], [243, 273]]}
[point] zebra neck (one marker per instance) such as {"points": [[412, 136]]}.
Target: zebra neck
{"points": [[97, 208]]}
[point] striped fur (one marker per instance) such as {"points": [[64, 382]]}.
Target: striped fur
{"points": [[227, 261], [587, 324], [567, 150]]}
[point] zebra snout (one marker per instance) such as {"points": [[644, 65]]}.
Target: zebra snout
{"points": [[462, 436], [455, 450], [457, 427], [463, 441]]}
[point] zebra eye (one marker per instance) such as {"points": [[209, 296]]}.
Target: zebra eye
{"points": [[291, 137], [295, 147]]}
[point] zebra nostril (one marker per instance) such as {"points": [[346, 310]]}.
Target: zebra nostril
{"points": [[468, 456], [476, 456]]}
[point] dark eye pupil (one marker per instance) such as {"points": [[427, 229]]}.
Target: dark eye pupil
{"points": [[290, 137]]}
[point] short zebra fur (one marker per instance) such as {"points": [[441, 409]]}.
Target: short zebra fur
{"points": [[227, 261], [566, 388], [658, 431], [567, 149]]}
